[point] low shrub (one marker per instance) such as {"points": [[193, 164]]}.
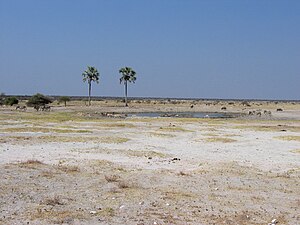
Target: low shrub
{"points": [[64, 99], [38, 100], [11, 101]]}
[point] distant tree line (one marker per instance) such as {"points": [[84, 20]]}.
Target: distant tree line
{"points": [[10, 100], [90, 75]]}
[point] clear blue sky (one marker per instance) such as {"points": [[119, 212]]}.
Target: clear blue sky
{"points": [[179, 48]]}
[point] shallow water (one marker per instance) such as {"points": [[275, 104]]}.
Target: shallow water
{"points": [[182, 115]]}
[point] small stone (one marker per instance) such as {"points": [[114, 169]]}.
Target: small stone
{"points": [[122, 206], [274, 221], [93, 212]]}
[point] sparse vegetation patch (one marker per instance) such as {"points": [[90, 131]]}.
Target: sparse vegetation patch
{"points": [[56, 200], [174, 129], [147, 154], [113, 140], [117, 125], [220, 139], [162, 135], [31, 164], [112, 178], [68, 168], [42, 130], [210, 134], [289, 138], [296, 151]]}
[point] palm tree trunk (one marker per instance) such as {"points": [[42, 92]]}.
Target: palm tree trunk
{"points": [[90, 87], [126, 94]]}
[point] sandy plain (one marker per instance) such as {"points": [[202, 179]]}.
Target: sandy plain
{"points": [[73, 165]]}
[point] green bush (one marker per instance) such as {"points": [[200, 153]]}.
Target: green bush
{"points": [[64, 99], [2, 95], [38, 100], [11, 101]]}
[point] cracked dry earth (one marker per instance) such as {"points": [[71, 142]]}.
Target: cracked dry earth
{"points": [[149, 171]]}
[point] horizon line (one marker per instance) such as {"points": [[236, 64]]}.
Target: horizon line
{"points": [[81, 97]]}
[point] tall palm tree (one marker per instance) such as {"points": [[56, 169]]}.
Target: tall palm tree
{"points": [[128, 75], [89, 75]]}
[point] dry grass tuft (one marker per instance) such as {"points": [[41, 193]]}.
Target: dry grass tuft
{"points": [[107, 212], [55, 138], [48, 174], [210, 134], [163, 135], [148, 154], [113, 140], [181, 173], [108, 140], [56, 200], [31, 163], [101, 163], [289, 138], [220, 139], [174, 129], [56, 217], [14, 139], [295, 151], [42, 130], [231, 135], [112, 178], [69, 169], [124, 184], [117, 125]]}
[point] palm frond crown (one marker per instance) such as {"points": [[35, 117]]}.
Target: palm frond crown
{"points": [[128, 75], [91, 74]]}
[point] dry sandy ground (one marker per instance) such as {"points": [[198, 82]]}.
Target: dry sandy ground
{"points": [[72, 166]]}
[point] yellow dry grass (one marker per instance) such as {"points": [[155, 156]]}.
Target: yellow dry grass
{"points": [[41, 130], [68, 168], [113, 140], [116, 125], [162, 135], [174, 129], [57, 138], [147, 154], [31, 164], [289, 138], [220, 139], [210, 134], [53, 138], [295, 151]]}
